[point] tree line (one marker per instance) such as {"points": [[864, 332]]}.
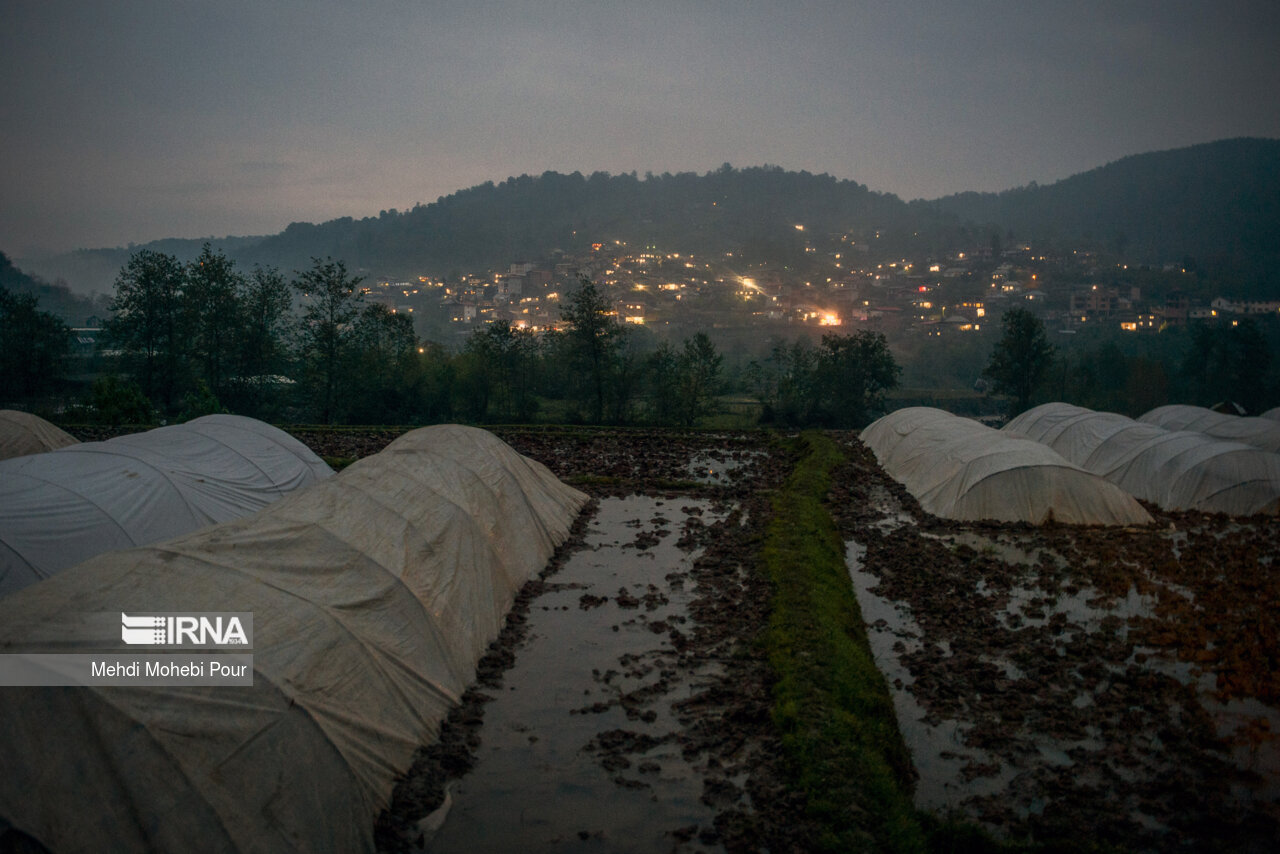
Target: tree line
{"points": [[206, 337], [1225, 363], [189, 339]]}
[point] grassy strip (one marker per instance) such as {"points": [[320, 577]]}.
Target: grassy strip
{"points": [[831, 703]]}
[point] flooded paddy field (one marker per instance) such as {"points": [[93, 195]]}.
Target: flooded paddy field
{"points": [[625, 707], [1117, 686], [582, 742], [1058, 678]]}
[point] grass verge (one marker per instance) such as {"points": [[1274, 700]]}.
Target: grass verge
{"points": [[831, 704]]}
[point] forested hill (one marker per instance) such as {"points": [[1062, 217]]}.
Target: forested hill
{"points": [[749, 210], [1217, 202], [74, 309]]}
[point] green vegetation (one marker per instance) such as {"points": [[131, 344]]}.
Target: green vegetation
{"points": [[203, 337], [1230, 363], [1216, 202], [331, 305], [1021, 359], [488, 225], [147, 323], [841, 383], [830, 702], [56, 299], [34, 351], [594, 342], [114, 401]]}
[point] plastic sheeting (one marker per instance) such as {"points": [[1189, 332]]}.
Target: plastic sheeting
{"points": [[960, 469], [1262, 433], [63, 507], [373, 593], [1178, 470], [22, 433]]}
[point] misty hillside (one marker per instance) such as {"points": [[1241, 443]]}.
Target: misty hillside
{"points": [[1218, 203], [75, 309]]}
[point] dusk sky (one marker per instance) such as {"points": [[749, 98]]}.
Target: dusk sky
{"points": [[131, 120]]}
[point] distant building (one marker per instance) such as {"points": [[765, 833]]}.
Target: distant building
{"points": [[1095, 301], [84, 340], [1177, 309], [1226, 306], [1140, 322], [509, 288]]}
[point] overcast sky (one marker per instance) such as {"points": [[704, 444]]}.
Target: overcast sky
{"points": [[130, 120]]}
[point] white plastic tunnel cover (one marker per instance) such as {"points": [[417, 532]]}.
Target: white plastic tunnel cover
{"points": [[22, 433], [1260, 432], [960, 469], [1175, 469], [373, 593], [60, 508]]}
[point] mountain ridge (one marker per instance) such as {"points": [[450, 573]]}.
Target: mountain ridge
{"points": [[1131, 201], [1218, 202]]}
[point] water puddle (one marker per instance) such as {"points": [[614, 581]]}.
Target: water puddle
{"points": [[574, 752], [946, 765], [952, 771], [718, 467], [1000, 549]]}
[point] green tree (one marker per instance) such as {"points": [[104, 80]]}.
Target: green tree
{"points": [[626, 380], [504, 362], [698, 371], [439, 372], [1021, 359], [33, 347], [263, 344], [787, 384], [854, 372], [661, 372], [382, 366], [200, 401], [147, 322], [473, 383], [331, 302], [595, 339], [117, 401], [1229, 362], [211, 303]]}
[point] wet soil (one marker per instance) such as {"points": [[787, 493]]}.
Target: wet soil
{"points": [[584, 743], [678, 725], [1059, 678], [1122, 683]]}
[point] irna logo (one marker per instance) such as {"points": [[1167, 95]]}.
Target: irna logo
{"points": [[185, 630]]}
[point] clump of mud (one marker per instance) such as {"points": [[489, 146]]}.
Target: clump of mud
{"points": [[1063, 677]]}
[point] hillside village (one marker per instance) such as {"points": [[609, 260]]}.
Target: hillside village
{"points": [[675, 294]]}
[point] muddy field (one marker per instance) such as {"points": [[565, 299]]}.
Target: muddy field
{"points": [[1049, 682], [1046, 680], [624, 708], [1061, 678]]}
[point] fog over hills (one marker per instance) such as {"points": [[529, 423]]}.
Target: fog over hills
{"points": [[1218, 202]]}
